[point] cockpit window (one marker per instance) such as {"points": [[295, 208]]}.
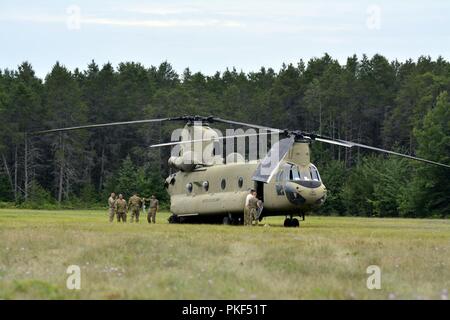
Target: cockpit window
{"points": [[294, 174], [308, 174], [305, 175], [314, 173]]}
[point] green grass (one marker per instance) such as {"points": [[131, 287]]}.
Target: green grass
{"points": [[326, 258]]}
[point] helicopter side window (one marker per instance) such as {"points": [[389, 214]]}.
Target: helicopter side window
{"points": [[189, 187], [279, 175], [240, 182], [223, 184], [279, 183]]}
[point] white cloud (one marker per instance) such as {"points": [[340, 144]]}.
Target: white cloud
{"points": [[143, 23], [257, 16], [41, 18], [161, 23], [249, 8], [161, 10]]}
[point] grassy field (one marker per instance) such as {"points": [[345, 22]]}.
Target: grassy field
{"points": [[326, 258]]}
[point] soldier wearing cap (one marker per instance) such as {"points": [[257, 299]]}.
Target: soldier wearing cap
{"points": [[121, 209], [154, 207], [112, 206]]}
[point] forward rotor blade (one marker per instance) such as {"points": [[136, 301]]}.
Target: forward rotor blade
{"points": [[255, 126], [350, 144], [182, 118], [101, 125], [269, 165], [210, 139]]}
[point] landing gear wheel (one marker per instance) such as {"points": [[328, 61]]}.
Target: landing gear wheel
{"points": [[174, 219], [288, 222], [182, 219]]}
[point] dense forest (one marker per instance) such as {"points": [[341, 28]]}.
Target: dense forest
{"points": [[402, 106]]}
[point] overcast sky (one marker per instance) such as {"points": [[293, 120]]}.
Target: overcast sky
{"points": [[211, 35]]}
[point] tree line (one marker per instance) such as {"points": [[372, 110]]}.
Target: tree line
{"points": [[402, 106]]}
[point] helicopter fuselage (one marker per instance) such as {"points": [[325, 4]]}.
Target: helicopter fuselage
{"points": [[220, 190]]}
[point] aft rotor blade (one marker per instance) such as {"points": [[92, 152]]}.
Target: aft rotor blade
{"points": [[250, 125], [400, 154], [350, 144], [339, 143], [210, 139], [269, 165], [102, 125]]}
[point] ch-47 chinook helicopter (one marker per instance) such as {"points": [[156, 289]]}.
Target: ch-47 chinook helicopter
{"points": [[209, 187]]}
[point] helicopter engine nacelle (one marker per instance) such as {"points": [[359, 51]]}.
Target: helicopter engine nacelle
{"points": [[187, 162]]}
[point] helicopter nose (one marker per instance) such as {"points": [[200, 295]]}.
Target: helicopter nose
{"points": [[299, 194]]}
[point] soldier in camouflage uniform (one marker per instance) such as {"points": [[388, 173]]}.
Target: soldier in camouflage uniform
{"points": [[135, 204], [247, 217], [253, 207], [121, 209], [154, 207], [112, 206]]}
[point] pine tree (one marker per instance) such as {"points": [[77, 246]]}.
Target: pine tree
{"points": [[65, 109], [429, 191]]}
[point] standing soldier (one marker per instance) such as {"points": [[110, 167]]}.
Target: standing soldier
{"points": [[247, 217], [253, 207], [135, 204], [154, 207], [112, 206], [121, 209]]}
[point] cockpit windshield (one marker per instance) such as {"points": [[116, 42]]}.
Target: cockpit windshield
{"points": [[306, 174]]}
